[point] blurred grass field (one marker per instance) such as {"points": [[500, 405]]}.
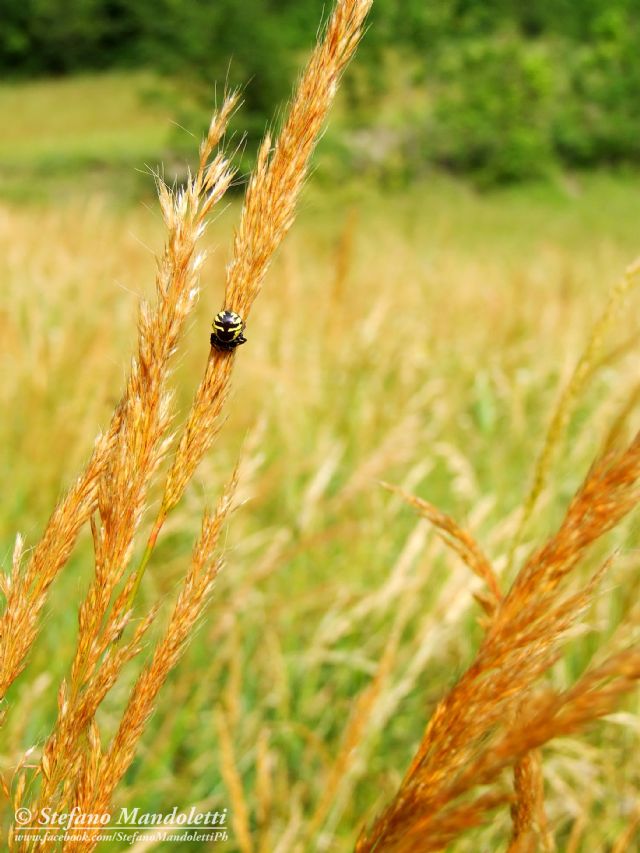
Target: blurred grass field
{"points": [[100, 128], [419, 336]]}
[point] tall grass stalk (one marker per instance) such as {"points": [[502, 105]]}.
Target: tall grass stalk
{"points": [[497, 713], [267, 215], [74, 770]]}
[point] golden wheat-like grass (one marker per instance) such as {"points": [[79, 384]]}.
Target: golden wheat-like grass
{"points": [[107, 769], [492, 718], [25, 588], [267, 215], [126, 455], [137, 445], [74, 770], [496, 714]]}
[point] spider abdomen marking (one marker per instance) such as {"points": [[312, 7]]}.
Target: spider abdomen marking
{"points": [[228, 328]]}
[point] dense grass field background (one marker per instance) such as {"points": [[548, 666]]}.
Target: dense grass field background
{"points": [[419, 335]]}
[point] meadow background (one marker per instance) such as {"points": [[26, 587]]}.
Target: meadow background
{"points": [[472, 203]]}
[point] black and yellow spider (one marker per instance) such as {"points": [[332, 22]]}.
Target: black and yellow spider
{"points": [[227, 330]]}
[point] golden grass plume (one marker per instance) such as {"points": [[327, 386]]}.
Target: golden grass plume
{"points": [[74, 770], [497, 713]]}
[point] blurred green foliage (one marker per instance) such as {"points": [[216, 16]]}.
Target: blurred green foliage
{"points": [[506, 90], [493, 115]]}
